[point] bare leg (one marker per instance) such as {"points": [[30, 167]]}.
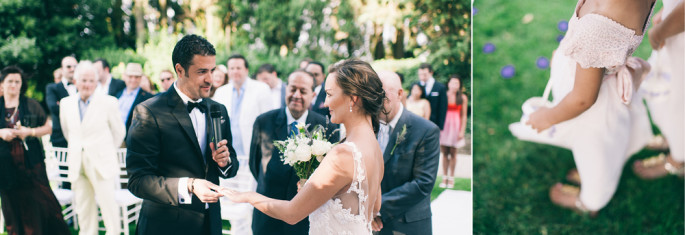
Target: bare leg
{"points": [[453, 162], [445, 165]]}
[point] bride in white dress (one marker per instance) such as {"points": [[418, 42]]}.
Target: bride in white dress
{"points": [[344, 192]]}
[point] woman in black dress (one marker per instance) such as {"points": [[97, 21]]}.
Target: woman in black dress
{"points": [[28, 204]]}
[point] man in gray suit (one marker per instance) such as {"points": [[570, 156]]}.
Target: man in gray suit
{"points": [[411, 150]]}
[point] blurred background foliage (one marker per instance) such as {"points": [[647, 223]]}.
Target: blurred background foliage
{"points": [[391, 34]]}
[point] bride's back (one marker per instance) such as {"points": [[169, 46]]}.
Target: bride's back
{"points": [[355, 98], [367, 176]]}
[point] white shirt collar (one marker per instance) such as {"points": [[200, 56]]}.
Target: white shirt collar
{"points": [[395, 119], [278, 85], [109, 80], [184, 97], [290, 119], [429, 84], [317, 89], [65, 82]]}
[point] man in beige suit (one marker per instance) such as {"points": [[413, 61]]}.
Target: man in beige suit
{"points": [[93, 128]]}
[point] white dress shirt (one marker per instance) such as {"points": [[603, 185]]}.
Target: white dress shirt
{"points": [[429, 85], [316, 93], [71, 89], [289, 117], [199, 122], [276, 94], [385, 129], [104, 89]]}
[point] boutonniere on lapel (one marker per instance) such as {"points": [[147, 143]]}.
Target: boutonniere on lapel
{"points": [[400, 138]]}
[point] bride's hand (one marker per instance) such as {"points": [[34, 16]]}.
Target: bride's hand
{"points": [[235, 196]]}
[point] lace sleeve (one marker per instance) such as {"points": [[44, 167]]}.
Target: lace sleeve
{"points": [[600, 42]]}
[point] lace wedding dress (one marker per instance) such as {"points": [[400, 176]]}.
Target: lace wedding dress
{"points": [[345, 213]]}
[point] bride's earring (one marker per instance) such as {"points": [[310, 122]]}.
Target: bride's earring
{"points": [[350, 108]]}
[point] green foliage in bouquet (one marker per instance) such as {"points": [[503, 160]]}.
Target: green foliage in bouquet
{"points": [[305, 150]]}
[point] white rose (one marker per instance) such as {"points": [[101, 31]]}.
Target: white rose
{"points": [[319, 158], [303, 153], [290, 158], [320, 147]]}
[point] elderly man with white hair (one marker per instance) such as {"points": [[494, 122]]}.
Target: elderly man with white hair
{"points": [[94, 130]]}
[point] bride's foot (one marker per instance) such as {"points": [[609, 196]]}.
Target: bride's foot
{"points": [[573, 177], [657, 143], [450, 182], [444, 182], [657, 167], [567, 196]]}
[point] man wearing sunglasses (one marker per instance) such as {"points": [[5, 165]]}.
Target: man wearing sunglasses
{"points": [[167, 78], [54, 93]]}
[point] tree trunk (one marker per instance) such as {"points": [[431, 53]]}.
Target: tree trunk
{"points": [[398, 47], [139, 13], [118, 24]]}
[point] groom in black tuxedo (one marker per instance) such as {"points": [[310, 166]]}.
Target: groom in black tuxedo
{"points": [[411, 163], [173, 164], [275, 179]]}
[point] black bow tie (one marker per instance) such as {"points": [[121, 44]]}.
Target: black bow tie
{"points": [[200, 106]]}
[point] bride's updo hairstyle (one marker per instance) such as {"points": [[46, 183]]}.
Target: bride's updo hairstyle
{"points": [[357, 78]]}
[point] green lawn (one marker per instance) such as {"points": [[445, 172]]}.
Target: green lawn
{"points": [[511, 177], [462, 184]]}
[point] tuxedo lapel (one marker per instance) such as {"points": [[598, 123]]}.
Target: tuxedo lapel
{"points": [[392, 140], [62, 90], [179, 111]]}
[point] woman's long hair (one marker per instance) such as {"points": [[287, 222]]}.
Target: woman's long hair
{"points": [[460, 100]]}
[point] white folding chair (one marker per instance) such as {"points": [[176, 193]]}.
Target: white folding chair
{"points": [[129, 205], [58, 173], [239, 215], [2, 224]]}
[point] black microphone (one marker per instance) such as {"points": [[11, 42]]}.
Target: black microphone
{"points": [[215, 112]]}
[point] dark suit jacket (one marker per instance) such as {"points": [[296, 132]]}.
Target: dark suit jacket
{"points": [[116, 86], [409, 176], [142, 96], [162, 147], [438, 100], [54, 92], [283, 85], [280, 180], [320, 100]]}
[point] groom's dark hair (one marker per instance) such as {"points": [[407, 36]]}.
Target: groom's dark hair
{"points": [[189, 46]]}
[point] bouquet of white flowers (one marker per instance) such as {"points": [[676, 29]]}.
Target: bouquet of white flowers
{"points": [[305, 150]]}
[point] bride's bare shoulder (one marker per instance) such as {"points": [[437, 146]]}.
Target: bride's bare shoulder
{"points": [[342, 156]]}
